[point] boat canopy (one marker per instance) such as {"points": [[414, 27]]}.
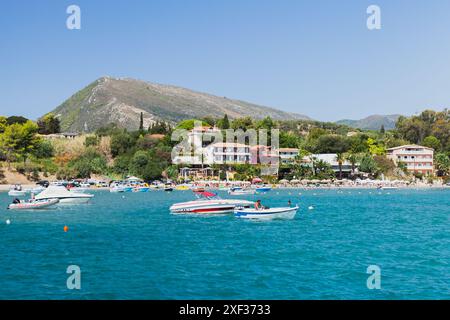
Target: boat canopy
{"points": [[205, 194]]}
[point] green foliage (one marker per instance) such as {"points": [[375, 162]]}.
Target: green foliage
{"points": [[18, 140], [244, 123], [121, 143], [189, 124], [224, 123], [289, 140], [49, 124], [442, 163], [368, 164], [429, 123], [90, 162], [92, 141], [159, 127], [375, 148], [16, 120], [43, 149], [432, 142], [329, 143]]}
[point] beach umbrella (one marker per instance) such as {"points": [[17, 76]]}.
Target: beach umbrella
{"points": [[295, 181], [283, 181], [257, 180]]}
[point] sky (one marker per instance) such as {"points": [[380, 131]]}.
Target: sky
{"points": [[313, 57]]}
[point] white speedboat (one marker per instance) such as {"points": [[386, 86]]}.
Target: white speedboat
{"points": [[209, 203], [238, 191], [33, 204], [266, 214], [16, 193], [63, 195]]}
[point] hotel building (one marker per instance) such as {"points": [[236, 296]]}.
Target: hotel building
{"points": [[416, 158]]}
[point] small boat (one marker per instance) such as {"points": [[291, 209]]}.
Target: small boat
{"points": [[141, 189], [33, 204], [17, 191], [209, 203], [182, 187], [64, 195], [120, 188], [238, 191], [168, 189], [262, 188], [267, 214], [389, 188]]}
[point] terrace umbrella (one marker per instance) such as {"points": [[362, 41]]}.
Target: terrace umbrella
{"points": [[295, 181], [283, 181]]}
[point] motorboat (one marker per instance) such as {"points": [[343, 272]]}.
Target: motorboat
{"points": [[33, 204], [141, 188], [238, 191], [120, 188], [262, 188], [389, 188], [63, 195], [168, 188], [209, 203], [266, 213], [17, 191]]}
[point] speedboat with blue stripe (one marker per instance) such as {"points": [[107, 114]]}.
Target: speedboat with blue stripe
{"points": [[266, 213]]}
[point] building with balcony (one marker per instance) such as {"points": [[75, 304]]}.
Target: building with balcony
{"points": [[417, 158], [226, 152], [287, 155]]}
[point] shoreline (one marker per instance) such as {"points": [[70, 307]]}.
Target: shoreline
{"points": [[7, 187]]}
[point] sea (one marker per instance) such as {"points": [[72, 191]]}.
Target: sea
{"points": [[343, 244]]}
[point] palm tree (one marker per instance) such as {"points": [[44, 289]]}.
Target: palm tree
{"points": [[340, 158], [353, 159]]}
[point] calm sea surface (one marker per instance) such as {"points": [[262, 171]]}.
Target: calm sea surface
{"points": [[128, 246]]}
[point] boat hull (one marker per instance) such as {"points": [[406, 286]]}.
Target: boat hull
{"points": [[208, 206], [267, 214], [36, 205]]}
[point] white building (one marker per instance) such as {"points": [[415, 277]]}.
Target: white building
{"points": [[226, 152], [288, 155], [416, 158]]}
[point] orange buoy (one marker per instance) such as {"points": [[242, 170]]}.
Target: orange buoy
{"points": [[66, 228]]}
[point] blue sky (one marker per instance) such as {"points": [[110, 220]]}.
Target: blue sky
{"points": [[311, 57]]}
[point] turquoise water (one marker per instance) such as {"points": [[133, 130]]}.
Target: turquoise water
{"points": [[128, 246]]}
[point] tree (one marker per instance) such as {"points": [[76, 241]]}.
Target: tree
{"points": [[382, 130], [121, 143], [3, 124], [353, 159], [49, 124], [18, 140], [16, 120], [367, 164], [375, 148], [442, 162], [141, 122], [340, 158], [432, 142], [243, 123], [224, 123]]}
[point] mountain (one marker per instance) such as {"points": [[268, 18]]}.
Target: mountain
{"points": [[373, 122], [121, 101]]}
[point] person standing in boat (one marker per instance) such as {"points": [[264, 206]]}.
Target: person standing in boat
{"points": [[258, 205]]}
